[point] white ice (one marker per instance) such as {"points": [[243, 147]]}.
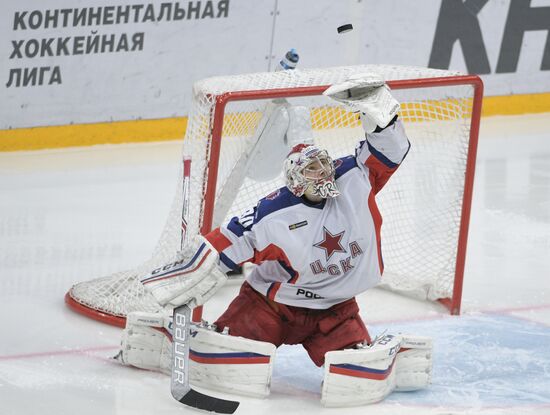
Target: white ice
{"points": [[71, 215]]}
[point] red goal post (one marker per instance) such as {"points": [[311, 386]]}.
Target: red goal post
{"points": [[216, 113]]}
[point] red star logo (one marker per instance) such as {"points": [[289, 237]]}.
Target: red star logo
{"points": [[331, 243]]}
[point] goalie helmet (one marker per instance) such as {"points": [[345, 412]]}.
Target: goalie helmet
{"points": [[307, 167]]}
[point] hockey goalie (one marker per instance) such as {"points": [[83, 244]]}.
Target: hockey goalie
{"points": [[316, 246]]}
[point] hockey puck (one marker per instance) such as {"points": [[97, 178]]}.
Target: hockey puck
{"points": [[345, 28]]}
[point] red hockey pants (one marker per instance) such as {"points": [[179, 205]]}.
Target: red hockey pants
{"points": [[253, 316]]}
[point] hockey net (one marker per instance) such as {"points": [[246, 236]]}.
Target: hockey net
{"points": [[425, 205]]}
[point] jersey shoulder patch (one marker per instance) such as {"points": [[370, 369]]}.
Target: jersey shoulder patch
{"points": [[275, 201], [343, 165]]}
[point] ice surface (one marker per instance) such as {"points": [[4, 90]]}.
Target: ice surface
{"points": [[70, 215]]}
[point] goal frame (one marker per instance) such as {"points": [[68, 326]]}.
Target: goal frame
{"points": [[453, 303]]}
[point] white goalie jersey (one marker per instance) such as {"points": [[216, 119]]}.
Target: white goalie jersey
{"points": [[318, 255]]}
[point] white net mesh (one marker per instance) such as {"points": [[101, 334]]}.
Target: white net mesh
{"points": [[421, 204]]}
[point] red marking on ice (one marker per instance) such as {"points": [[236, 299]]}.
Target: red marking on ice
{"points": [[59, 353]]}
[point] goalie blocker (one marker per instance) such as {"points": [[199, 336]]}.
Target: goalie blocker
{"points": [[191, 278]]}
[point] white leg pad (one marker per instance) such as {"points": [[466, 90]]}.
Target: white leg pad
{"points": [[147, 342], [230, 364], [413, 364], [360, 376]]}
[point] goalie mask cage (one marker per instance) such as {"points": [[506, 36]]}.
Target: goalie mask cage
{"points": [[425, 205]]}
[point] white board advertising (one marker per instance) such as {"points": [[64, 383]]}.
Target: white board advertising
{"points": [[86, 61]]}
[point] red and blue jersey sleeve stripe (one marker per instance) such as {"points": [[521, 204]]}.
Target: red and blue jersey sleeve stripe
{"points": [[382, 153], [218, 240]]}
